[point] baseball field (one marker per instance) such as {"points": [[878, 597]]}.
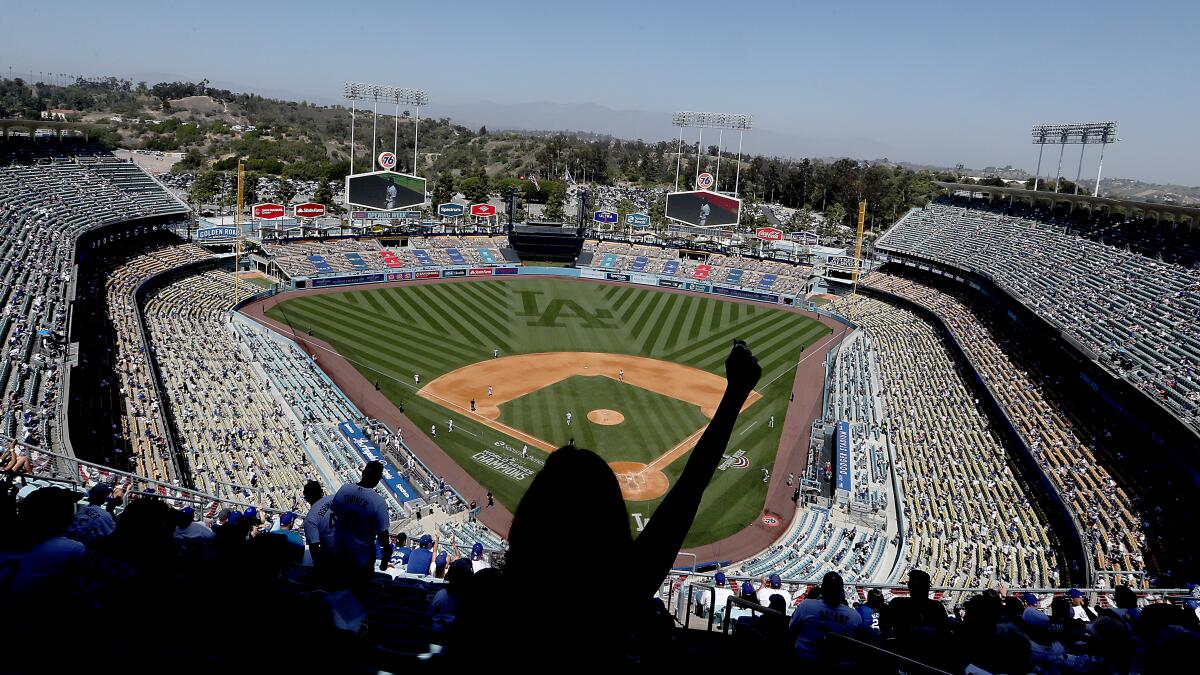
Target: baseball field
{"points": [[637, 371]]}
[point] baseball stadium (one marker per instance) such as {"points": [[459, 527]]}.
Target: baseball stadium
{"points": [[275, 400]]}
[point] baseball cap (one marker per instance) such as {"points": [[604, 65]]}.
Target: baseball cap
{"points": [[234, 517], [440, 560], [774, 581], [747, 589], [100, 489], [251, 513], [719, 578], [1075, 593], [188, 511], [1030, 599], [477, 551], [287, 518], [426, 541]]}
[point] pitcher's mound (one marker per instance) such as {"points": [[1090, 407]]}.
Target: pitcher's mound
{"points": [[605, 416], [639, 483]]}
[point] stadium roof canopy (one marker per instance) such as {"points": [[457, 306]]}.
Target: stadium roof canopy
{"points": [[1147, 210]]}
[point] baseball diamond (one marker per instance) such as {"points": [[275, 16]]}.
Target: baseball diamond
{"points": [[570, 347]]}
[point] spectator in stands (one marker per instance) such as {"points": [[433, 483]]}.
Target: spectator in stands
{"points": [[318, 524], [1032, 616], [1063, 626], [439, 564], [814, 619], [403, 549], [1127, 604], [458, 577], [478, 562], [715, 600], [1079, 608], [360, 517], [869, 610], [40, 552], [190, 529], [420, 561], [916, 623], [92, 521], [572, 476], [15, 459], [772, 585], [295, 541]]}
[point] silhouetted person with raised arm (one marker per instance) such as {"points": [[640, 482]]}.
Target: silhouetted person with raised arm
{"points": [[576, 498]]}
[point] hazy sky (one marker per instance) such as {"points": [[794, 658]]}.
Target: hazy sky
{"points": [[935, 82]]}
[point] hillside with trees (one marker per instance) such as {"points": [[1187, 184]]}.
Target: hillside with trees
{"points": [[214, 129]]}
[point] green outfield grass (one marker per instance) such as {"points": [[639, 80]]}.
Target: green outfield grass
{"points": [[391, 333]]}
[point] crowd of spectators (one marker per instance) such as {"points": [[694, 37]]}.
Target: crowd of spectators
{"points": [[753, 273], [310, 257], [1139, 313], [1067, 452], [965, 516], [43, 209]]}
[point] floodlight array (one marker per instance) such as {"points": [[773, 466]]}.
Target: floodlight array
{"points": [[1074, 133], [713, 120], [358, 91]]}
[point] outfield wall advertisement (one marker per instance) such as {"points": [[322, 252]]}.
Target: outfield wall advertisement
{"points": [[640, 278]]}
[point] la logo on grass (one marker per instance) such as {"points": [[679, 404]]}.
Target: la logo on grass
{"points": [[558, 310]]}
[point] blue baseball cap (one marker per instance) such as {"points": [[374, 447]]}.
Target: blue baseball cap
{"points": [[1030, 599], [287, 518], [426, 541], [774, 581], [1075, 593], [251, 513], [477, 551], [440, 559], [747, 589], [100, 489], [719, 578], [188, 511], [234, 517]]}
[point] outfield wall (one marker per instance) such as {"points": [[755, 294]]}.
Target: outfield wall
{"points": [[602, 274]]}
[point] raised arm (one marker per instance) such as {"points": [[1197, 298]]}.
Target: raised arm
{"points": [[656, 547]]}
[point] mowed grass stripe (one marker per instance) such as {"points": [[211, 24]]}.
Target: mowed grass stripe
{"points": [[651, 309], [390, 297], [661, 318], [720, 337], [638, 298], [685, 310], [705, 309], [381, 328], [369, 337], [416, 308], [770, 354], [621, 297], [448, 313], [491, 301], [486, 321]]}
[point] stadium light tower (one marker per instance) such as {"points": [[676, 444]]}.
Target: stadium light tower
{"points": [[379, 93], [711, 120], [1073, 133]]}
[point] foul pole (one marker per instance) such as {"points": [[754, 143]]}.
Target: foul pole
{"points": [[237, 245], [862, 217]]}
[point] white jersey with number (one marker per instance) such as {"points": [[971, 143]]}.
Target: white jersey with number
{"points": [[359, 515]]}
